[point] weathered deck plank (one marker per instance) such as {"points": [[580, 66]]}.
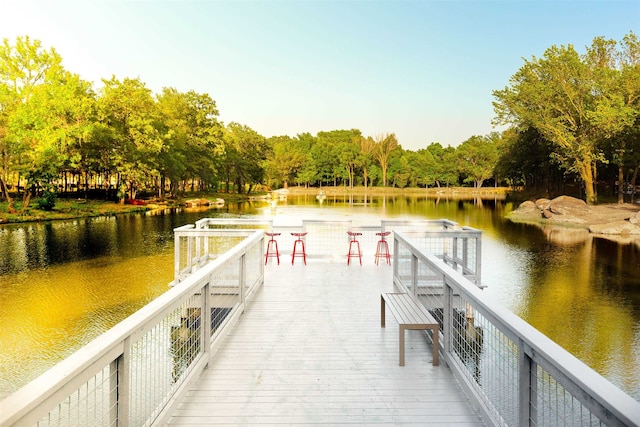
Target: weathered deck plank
{"points": [[310, 350]]}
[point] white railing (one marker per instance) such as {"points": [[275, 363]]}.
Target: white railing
{"points": [[459, 247], [134, 373], [515, 375]]}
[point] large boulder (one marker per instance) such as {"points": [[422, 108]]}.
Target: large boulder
{"points": [[542, 204], [527, 207], [567, 205]]}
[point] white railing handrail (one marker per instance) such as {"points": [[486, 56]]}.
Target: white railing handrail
{"points": [[601, 396], [33, 401]]}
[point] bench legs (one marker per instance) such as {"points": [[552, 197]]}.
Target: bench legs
{"points": [[434, 328]]}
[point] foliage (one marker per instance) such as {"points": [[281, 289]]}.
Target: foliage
{"points": [[478, 157], [571, 115], [47, 201], [576, 102]]}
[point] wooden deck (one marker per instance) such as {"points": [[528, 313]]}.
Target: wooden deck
{"points": [[310, 350]]}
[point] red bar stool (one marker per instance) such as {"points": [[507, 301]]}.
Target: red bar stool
{"points": [[303, 254], [353, 238], [382, 250], [271, 244]]}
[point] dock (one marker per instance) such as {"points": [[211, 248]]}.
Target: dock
{"points": [[309, 349], [235, 342]]}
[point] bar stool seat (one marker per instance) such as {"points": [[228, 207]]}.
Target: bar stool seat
{"points": [[354, 247], [382, 250], [272, 248], [303, 254]]}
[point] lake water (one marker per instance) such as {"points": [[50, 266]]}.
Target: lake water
{"points": [[64, 283]]}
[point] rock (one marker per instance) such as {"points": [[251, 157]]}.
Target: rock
{"points": [[547, 213], [542, 204], [567, 205], [622, 228], [567, 219], [527, 207]]}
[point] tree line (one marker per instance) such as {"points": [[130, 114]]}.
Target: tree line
{"points": [[570, 117]]}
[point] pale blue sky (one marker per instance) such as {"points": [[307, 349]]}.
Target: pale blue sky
{"points": [[424, 70]]}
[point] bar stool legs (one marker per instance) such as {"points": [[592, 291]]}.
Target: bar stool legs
{"points": [[382, 250], [294, 254], [353, 240], [272, 248]]}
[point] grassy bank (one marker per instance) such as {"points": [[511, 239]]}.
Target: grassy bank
{"points": [[66, 209]]}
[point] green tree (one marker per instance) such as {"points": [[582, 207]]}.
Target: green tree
{"points": [[445, 168], [129, 112], [367, 145], [477, 158], [27, 70], [422, 164], [400, 169], [554, 94], [570, 100], [243, 158], [192, 139], [286, 160], [385, 145], [617, 102]]}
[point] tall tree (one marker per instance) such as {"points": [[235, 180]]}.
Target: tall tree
{"points": [[245, 151], [385, 144], [192, 138], [477, 158], [570, 101], [286, 160], [617, 102], [367, 145], [130, 113], [25, 67], [554, 95], [445, 171]]}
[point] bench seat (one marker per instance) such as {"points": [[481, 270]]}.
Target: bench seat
{"points": [[410, 315]]}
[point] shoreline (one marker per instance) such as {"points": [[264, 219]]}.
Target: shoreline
{"points": [[67, 209]]}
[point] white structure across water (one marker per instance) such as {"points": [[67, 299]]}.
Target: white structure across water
{"points": [[235, 341]]}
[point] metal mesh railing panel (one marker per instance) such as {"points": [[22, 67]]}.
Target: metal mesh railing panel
{"points": [[161, 358], [489, 359], [92, 404], [554, 406]]}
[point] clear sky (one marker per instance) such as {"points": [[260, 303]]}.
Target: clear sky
{"points": [[424, 70]]}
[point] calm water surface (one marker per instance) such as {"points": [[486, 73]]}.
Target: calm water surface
{"points": [[64, 283]]}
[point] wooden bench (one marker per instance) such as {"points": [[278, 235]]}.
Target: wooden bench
{"points": [[410, 315]]}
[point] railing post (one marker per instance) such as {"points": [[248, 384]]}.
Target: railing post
{"points": [[414, 275], [465, 253], [526, 388], [124, 385], [242, 278], [396, 251], [190, 253], [454, 255], [176, 258], [198, 242], [447, 313], [478, 259], [206, 243], [206, 318]]}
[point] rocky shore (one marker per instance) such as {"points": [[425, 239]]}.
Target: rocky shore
{"points": [[609, 219]]}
